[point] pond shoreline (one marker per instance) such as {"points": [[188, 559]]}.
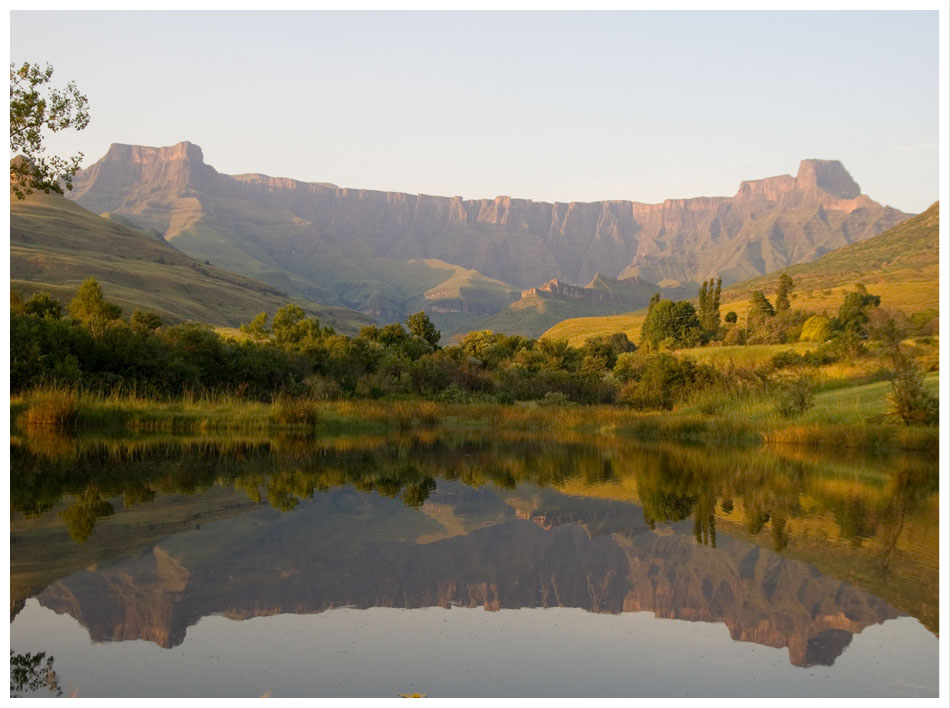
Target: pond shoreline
{"points": [[828, 427]]}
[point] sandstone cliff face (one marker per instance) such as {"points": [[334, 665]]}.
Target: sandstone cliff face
{"points": [[291, 225]]}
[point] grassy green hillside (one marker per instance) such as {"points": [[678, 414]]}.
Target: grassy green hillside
{"points": [[55, 244], [901, 265]]}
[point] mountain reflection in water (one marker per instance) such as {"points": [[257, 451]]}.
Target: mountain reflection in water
{"points": [[140, 539]]}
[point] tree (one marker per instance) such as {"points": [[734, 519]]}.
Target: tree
{"points": [[731, 317], [257, 328], [817, 328], [853, 314], [144, 322], [759, 318], [31, 114], [673, 321], [909, 399], [709, 293], [91, 308], [421, 326], [29, 675], [43, 305], [785, 287], [292, 327]]}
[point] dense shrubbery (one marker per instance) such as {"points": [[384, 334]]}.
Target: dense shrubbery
{"points": [[293, 358]]}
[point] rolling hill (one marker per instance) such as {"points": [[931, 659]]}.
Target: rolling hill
{"points": [[901, 265], [542, 307], [55, 244]]}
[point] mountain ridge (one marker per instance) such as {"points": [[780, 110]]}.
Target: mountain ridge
{"points": [[315, 239]]}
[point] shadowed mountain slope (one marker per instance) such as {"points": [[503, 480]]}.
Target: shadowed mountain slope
{"points": [[55, 244]]}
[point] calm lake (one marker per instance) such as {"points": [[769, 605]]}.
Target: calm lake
{"points": [[466, 564]]}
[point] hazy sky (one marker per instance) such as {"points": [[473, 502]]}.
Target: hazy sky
{"points": [[545, 106]]}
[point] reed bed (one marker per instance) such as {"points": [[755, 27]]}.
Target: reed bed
{"points": [[720, 417]]}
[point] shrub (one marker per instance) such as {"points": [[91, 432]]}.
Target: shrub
{"points": [[794, 396], [734, 336], [909, 400], [555, 398]]}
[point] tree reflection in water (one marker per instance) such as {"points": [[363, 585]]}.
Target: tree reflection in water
{"points": [[30, 675]]}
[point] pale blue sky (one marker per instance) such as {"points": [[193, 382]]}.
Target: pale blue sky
{"points": [[545, 106]]}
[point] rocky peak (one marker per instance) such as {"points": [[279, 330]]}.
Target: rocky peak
{"points": [[131, 172], [829, 176], [143, 154]]}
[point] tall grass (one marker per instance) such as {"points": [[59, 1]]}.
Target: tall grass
{"points": [[741, 414], [52, 407]]}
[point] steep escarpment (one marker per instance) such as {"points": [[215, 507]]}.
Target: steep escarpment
{"points": [[318, 240]]}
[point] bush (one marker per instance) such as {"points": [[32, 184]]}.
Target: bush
{"points": [[662, 380], [909, 400], [555, 398], [734, 336], [795, 396]]}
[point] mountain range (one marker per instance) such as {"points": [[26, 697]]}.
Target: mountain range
{"points": [[387, 254]]}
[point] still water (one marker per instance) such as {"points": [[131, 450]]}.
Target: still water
{"points": [[454, 564]]}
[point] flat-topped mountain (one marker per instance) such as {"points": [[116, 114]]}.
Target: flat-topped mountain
{"points": [[340, 246]]}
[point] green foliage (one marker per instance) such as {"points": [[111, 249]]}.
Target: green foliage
{"points": [[760, 320], [709, 293], [144, 322], [795, 395], [817, 328], [492, 348], [675, 324], [660, 381], [257, 328], [785, 287], [909, 400], [43, 305], [607, 348], [297, 364], [34, 109], [80, 516], [291, 327], [731, 317], [421, 326], [91, 309], [853, 315]]}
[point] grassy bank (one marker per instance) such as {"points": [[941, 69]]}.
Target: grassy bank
{"points": [[855, 417]]}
